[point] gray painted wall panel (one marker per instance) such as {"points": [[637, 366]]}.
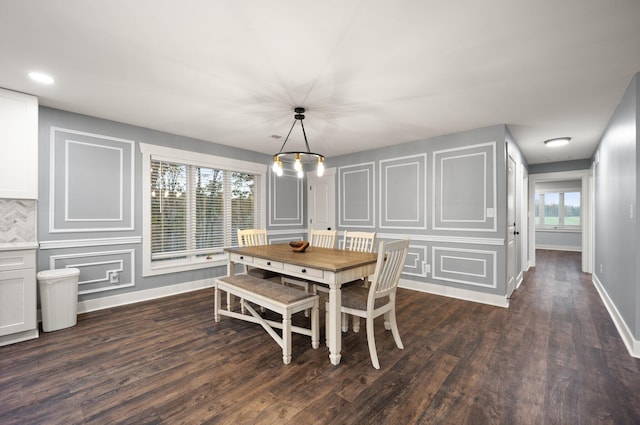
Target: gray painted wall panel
{"points": [[616, 191], [52, 118]]}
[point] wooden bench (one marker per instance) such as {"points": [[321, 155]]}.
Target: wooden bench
{"points": [[272, 296]]}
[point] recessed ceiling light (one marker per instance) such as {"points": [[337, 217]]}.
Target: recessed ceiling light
{"points": [[558, 141], [41, 78]]}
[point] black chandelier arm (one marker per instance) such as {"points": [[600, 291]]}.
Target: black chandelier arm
{"points": [[305, 137], [288, 134]]}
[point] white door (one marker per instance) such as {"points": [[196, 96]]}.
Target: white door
{"points": [[321, 201], [511, 226]]}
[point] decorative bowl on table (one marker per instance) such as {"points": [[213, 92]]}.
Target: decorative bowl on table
{"points": [[299, 246]]}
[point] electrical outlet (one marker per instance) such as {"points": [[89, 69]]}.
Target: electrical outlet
{"points": [[113, 277]]}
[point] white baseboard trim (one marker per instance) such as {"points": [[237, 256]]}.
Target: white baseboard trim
{"points": [[633, 345], [19, 337], [461, 294], [146, 295]]}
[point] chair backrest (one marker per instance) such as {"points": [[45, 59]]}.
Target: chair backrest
{"points": [[391, 258], [251, 237], [359, 241], [323, 238]]}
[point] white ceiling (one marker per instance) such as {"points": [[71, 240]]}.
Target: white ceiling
{"points": [[371, 73]]}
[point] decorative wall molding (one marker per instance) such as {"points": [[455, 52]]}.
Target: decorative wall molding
{"points": [[444, 259], [356, 195], [288, 184], [446, 213], [82, 243], [403, 197], [96, 268], [445, 239], [91, 182], [416, 261]]}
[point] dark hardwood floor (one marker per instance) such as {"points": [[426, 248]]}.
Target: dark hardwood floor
{"points": [[553, 357]]}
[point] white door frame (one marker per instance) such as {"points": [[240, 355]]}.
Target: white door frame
{"points": [[329, 174], [585, 211]]}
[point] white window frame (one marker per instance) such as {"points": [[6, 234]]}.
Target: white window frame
{"points": [[560, 226], [167, 154]]}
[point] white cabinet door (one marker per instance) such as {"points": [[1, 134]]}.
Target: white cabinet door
{"points": [[17, 301], [18, 320], [19, 145]]}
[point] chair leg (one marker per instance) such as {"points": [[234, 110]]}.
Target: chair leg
{"points": [[394, 328], [286, 339], [356, 323], [387, 322], [372, 343], [345, 322]]}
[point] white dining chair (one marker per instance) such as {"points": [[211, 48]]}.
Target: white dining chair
{"points": [[380, 298], [252, 237], [357, 241]]}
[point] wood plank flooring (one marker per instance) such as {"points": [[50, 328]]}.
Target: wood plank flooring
{"points": [[553, 357]]}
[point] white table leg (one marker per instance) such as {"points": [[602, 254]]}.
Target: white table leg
{"points": [[334, 331]]}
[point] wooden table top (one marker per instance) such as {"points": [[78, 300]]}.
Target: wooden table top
{"points": [[333, 260]]}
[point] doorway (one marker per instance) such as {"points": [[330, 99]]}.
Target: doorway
{"points": [[321, 211]]}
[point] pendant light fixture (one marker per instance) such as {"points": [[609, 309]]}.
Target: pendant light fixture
{"points": [[299, 159]]}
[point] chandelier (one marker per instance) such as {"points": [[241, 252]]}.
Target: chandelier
{"points": [[299, 159]]}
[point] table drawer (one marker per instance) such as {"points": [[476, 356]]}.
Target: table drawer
{"points": [[238, 258], [303, 271], [261, 262]]}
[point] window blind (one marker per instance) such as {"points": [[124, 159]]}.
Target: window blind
{"points": [[197, 210]]}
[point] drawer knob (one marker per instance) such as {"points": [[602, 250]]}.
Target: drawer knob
{"points": [[268, 263], [242, 257], [304, 270]]}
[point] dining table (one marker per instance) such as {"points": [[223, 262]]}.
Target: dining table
{"points": [[324, 266]]}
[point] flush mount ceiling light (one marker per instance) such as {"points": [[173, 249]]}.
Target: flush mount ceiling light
{"points": [[298, 158], [558, 141], [41, 77]]}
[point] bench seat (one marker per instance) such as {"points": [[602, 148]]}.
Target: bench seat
{"points": [[272, 296]]}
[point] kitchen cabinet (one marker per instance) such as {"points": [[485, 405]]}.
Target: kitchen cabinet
{"points": [[18, 321], [19, 145]]}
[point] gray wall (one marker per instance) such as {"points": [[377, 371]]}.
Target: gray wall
{"points": [[90, 228], [616, 191], [447, 194]]}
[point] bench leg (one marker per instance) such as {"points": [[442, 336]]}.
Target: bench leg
{"points": [[286, 338], [216, 303]]}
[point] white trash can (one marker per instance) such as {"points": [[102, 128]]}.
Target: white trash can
{"points": [[58, 298]]}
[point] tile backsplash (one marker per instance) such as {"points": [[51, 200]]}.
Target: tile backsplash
{"points": [[17, 220]]}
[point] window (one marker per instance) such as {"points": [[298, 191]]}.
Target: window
{"points": [[193, 205], [557, 210]]}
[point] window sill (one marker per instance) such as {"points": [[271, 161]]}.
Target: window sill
{"points": [[559, 229]]}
